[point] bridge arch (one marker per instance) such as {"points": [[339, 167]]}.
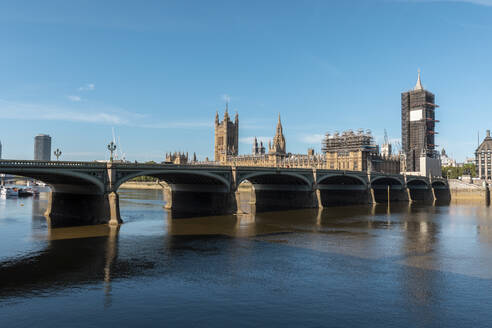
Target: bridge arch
{"points": [[290, 178], [439, 184], [189, 192], [277, 190], [386, 180], [388, 189], [417, 183], [178, 177], [342, 189], [63, 181], [346, 179]]}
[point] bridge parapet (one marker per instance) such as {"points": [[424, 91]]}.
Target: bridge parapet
{"points": [[50, 164]]}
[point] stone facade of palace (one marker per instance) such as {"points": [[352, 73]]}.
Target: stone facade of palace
{"points": [[179, 158], [356, 151], [348, 151]]}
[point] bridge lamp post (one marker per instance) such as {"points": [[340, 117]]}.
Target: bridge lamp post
{"points": [[111, 148], [57, 153]]}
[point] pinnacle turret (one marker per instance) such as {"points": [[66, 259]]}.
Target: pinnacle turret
{"points": [[418, 85]]}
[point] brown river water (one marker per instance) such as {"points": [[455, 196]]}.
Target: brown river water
{"points": [[362, 266]]}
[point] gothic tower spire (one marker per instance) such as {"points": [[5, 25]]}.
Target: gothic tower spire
{"points": [[278, 146], [418, 86], [226, 113], [279, 125]]}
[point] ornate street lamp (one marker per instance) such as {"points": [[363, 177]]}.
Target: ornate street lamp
{"points": [[57, 153], [111, 148]]}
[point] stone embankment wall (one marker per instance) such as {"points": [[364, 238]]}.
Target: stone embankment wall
{"points": [[140, 185], [463, 192]]}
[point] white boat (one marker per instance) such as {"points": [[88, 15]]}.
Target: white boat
{"points": [[8, 192]]}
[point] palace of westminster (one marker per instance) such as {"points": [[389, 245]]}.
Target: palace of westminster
{"points": [[349, 150]]}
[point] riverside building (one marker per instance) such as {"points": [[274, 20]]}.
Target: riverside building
{"points": [[483, 161], [347, 151]]}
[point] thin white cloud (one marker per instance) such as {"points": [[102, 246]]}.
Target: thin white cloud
{"points": [[164, 125], [107, 116], [312, 138], [74, 98], [88, 87]]}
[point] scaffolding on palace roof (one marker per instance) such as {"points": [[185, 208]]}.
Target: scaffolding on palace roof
{"points": [[349, 140]]}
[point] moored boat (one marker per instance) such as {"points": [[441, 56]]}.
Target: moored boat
{"points": [[24, 192], [8, 192]]}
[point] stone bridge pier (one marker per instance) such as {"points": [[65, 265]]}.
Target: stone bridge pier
{"points": [[343, 189], [420, 191], [388, 188], [93, 200], [69, 208], [441, 192], [185, 200], [275, 189]]}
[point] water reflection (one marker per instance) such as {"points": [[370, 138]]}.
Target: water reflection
{"points": [[411, 260], [111, 252]]}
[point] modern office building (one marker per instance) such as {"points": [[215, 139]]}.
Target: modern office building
{"points": [[42, 147], [418, 128]]}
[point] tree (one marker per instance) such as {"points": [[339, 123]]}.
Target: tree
{"points": [[144, 178], [455, 172]]}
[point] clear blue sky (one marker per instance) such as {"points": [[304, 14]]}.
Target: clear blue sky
{"points": [[157, 71]]}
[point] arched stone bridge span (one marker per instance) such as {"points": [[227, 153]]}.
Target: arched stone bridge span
{"points": [[86, 192]]}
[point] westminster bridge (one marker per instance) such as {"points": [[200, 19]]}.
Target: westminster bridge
{"points": [[85, 193]]}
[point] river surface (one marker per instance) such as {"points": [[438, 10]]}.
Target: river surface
{"points": [[365, 266]]}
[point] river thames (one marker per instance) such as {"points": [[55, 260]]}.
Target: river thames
{"points": [[363, 266]]}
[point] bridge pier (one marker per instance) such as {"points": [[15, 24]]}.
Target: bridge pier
{"points": [[114, 209], [199, 200], [340, 195], [442, 195], [283, 197], [423, 195], [395, 193], [74, 209]]}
